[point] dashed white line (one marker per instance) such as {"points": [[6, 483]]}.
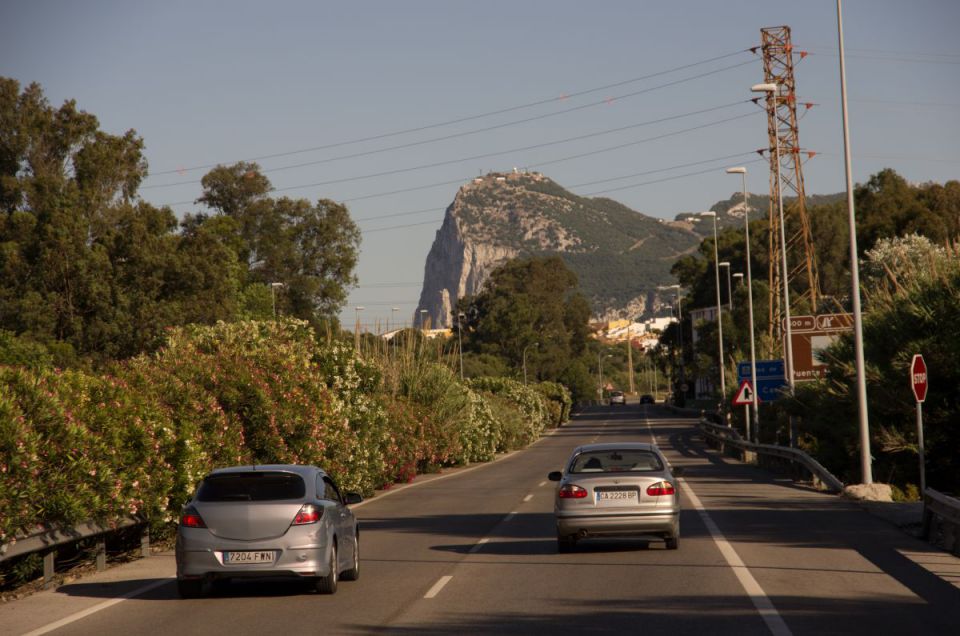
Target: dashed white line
{"points": [[761, 601], [541, 484], [433, 591], [478, 545], [527, 498]]}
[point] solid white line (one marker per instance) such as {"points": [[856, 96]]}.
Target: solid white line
{"points": [[527, 498], [761, 601], [478, 545], [96, 608], [433, 591]]}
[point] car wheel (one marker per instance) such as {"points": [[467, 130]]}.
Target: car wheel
{"points": [[190, 588], [328, 584], [353, 573], [673, 543], [566, 543]]}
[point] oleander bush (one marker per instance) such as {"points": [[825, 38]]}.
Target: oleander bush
{"points": [[136, 439], [559, 401]]}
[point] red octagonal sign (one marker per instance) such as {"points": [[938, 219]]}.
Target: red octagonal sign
{"points": [[918, 377]]}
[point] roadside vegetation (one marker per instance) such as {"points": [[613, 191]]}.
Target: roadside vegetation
{"points": [[910, 283]]}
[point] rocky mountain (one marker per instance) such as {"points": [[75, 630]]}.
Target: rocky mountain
{"points": [[619, 255]]}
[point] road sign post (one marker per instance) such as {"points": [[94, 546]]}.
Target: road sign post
{"points": [[918, 382], [745, 397]]}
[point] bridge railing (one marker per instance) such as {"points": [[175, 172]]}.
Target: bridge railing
{"points": [[794, 460], [46, 541]]}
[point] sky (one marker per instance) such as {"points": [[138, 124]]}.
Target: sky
{"points": [[390, 106]]}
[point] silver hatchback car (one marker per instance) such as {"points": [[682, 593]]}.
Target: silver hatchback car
{"points": [[267, 520], [617, 489]]}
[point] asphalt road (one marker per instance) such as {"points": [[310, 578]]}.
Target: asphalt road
{"points": [[474, 552]]}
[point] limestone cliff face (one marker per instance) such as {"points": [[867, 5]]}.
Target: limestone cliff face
{"points": [[455, 268], [618, 254]]}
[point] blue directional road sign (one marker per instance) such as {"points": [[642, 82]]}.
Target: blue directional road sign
{"points": [[771, 378]]}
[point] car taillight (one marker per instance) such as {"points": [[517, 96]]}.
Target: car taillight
{"points": [[660, 488], [309, 513], [572, 492], [191, 519]]}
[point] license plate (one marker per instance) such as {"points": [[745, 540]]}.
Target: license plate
{"points": [[248, 556], [617, 496]]}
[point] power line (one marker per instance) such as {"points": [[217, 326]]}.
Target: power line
{"points": [[459, 120], [645, 183], [536, 147], [412, 144]]}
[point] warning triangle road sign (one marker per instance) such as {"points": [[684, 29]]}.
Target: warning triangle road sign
{"points": [[744, 394]]}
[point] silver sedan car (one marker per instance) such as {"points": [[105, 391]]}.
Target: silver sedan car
{"points": [[617, 489], [267, 520]]}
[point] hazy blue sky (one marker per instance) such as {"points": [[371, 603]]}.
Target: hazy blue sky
{"points": [[206, 82]]}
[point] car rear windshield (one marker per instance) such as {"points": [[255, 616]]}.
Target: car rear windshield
{"points": [[251, 486], [616, 461]]}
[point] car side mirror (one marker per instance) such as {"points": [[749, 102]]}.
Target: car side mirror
{"points": [[352, 498], [555, 476], [677, 471]]}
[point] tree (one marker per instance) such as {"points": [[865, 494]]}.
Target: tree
{"points": [[310, 248], [531, 304], [84, 265]]}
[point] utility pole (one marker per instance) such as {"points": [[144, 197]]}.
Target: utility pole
{"points": [[630, 359]]}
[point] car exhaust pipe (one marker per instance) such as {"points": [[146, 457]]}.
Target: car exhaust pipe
{"points": [[582, 534]]}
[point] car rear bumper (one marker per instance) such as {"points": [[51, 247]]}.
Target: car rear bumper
{"points": [[659, 524], [203, 558]]}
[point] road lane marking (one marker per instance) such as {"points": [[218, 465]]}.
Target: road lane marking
{"points": [[96, 608], [433, 591], [527, 498], [478, 545], [761, 601], [541, 484], [653, 438]]}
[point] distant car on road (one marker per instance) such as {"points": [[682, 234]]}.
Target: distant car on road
{"points": [[647, 399], [617, 397], [267, 521], [617, 489]]}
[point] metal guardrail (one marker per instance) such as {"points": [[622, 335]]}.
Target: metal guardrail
{"points": [[726, 438], [941, 520], [47, 539]]}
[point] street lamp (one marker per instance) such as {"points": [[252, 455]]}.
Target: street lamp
{"points": [[716, 271], [535, 344], [771, 90], [356, 331], [393, 311], [729, 285], [679, 331], [739, 277], [866, 469], [753, 354], [600, 358], [273, 297], [460, 316], [423, 320]]}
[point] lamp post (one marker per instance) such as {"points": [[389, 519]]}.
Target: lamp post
{"points": [[679, 331], [393, 311], [423, 320], [771, 90], [716, 271], [600, 358], [273, 297], [739, 277], [535, 344], [753, 353], [729, 285], [866, 469], [356, 331], [460, 316]]}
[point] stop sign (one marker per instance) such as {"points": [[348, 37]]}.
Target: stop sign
{"points": [[918, 377]]}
